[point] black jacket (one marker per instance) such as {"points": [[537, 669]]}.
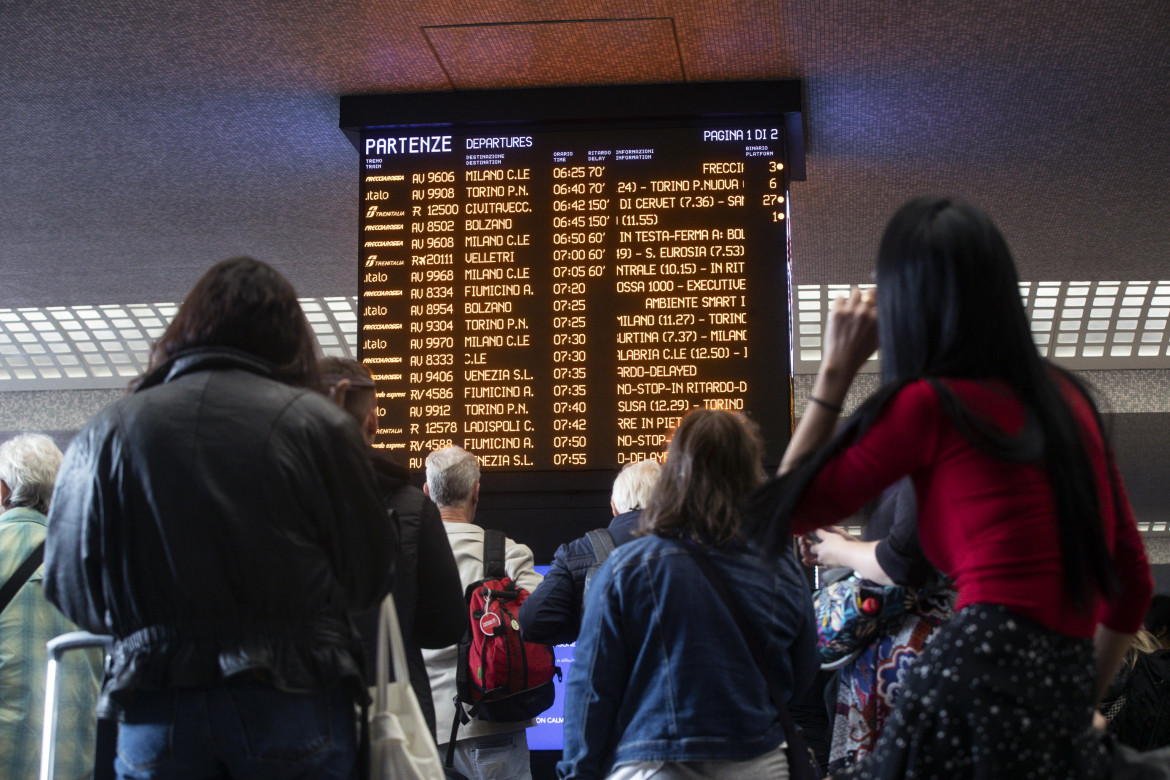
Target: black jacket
{"points": [[894, 522], [1141, 698], [552, 613], [427, 591], [219, 523]]}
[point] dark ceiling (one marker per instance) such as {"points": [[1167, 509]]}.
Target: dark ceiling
{"points": [[143, 140]]}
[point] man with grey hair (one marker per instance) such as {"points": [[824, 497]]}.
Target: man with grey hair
{"points": [[28, 470], [486, 749], [552, 614]]}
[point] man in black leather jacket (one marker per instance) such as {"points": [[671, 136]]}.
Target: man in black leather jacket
{"points": [[552, 613], [427, 592], [220, 522]]}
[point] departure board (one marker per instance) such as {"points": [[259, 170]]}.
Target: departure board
{"points": [[556, 298]]}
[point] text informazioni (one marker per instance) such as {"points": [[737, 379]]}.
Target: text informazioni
{"points": [[557, 300]]}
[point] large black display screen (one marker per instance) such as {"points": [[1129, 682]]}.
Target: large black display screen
{"points": [[554, 296]]}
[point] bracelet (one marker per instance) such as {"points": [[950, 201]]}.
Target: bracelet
{"points": [[834, 408]]}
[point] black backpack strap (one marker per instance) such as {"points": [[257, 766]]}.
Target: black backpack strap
{"points": [[20, 577], [602, 542], [493, 555], [460, 717], [462, 672]]}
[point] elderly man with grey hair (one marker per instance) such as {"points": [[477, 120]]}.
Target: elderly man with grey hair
{"points": [[28, 470], [552, 614], [486, 749]]}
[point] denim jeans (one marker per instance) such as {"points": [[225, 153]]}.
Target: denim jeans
{"points": [[237, 731], [493, 757]]}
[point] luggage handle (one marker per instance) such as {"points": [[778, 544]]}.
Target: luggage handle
{"points": [[58, 646], [75, 640]]}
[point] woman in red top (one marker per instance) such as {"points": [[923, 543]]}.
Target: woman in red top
{"points": [[1019, 503]]}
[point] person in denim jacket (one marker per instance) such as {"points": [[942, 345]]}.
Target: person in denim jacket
{"points": [[662, 681]]}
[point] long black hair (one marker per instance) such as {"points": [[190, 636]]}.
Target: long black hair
{"points": [[243, 304], [949, 307]]}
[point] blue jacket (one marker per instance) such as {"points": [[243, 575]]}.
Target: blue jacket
{"points": [[661, 672], [552, 613]]}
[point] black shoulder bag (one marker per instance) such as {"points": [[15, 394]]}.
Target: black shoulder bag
{"points": [[20, 577], [802, 764]]}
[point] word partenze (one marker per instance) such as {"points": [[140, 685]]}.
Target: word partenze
{"points": [[410, 144]]}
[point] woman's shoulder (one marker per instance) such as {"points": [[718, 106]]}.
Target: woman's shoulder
{"points": [[928, 389], [651, 551], [988, 394], [920, 391], [910, 399], [648, 545], [297, 409], [1076, 395], [989, 399]]}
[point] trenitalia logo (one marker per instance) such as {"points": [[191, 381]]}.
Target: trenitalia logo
{"points": [[371, 261], [374, 211]]}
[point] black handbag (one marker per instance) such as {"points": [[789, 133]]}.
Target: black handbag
{"points": [[802, 763], [1131, 764]]}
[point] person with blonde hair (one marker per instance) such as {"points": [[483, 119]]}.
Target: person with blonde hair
{"points": [[552, 613], [28, 470]]}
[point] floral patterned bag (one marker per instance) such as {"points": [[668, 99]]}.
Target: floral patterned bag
{"points": [[852, 611]]}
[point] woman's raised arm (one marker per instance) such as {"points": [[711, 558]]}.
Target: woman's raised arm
{"points": [[851, 336]]}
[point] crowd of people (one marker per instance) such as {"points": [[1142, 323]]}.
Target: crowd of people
{"points": [[230, 525]]}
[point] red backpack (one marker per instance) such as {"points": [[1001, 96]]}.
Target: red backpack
{"points": [[499, 676]]}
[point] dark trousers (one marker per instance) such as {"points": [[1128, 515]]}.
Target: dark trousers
{"points": [[238, 731]]}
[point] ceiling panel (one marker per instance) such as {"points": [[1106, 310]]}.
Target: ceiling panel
{"points": [[603, 51], [145, 140], [1081, 325], [93, 347]]}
